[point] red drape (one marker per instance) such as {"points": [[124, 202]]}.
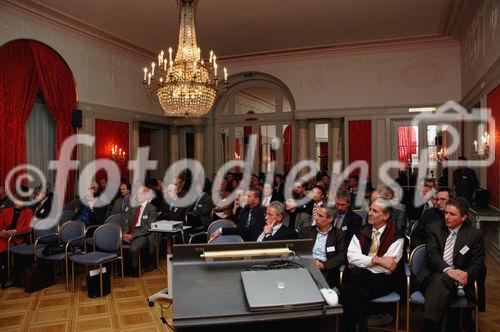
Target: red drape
{"points": [[18, 89], [26, 66], [287, 148], [360, 142], [323, 153], [407, 141]]}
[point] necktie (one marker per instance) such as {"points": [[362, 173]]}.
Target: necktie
{"points": [[448, 248], [338, 222], [249, 218], [136, 220], [375, 244]]}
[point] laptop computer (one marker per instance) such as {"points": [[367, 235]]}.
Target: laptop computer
{"points": [[281, 289]]}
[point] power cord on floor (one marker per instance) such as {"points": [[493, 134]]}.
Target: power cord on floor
{"points": [[162, 318]]}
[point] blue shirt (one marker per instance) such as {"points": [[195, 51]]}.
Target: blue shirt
{"points": [[319, 249]]}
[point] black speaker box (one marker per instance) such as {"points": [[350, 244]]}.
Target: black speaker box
{"points": [[76, 119]]}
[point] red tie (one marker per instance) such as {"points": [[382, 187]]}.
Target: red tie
{"points": [[136, 220]]}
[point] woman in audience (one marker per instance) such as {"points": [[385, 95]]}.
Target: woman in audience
{"points": [[88, 212]]}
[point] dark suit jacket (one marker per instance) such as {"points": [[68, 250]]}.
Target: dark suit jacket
{"points": [[173, 212], [41, 211], [251, 232], [203, 210], [336, 238], [471, 261], [148, 217], [121, 205], [283, 233], [465, 182], [419, 235], [351, 224], [400, 219]]}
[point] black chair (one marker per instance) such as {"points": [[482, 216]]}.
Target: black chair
{"points": [[221, 223], [226, 239], [107, 248], [70, 234]]}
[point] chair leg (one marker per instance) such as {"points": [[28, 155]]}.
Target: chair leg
{"points": [[476, 318], [73, 276], [8, 264], [408, 314], [100, 279], [140, 265], [67, 276], [396, 328], [123, 282]]}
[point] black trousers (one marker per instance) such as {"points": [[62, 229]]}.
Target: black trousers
{"points": [[361, 286]]}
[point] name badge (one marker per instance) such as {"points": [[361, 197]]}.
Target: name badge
{"points": [[330, 249], [344, 228], [145, 217], [126, 209], [199, 205], [42, 210], [464, 250]]}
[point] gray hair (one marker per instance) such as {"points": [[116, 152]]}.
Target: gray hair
{"points": [[330, 211], [278, 207], [344, 194]]}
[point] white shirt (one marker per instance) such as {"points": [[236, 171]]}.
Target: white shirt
{"points": [[142, 206], [356, 258], [275, 229]]}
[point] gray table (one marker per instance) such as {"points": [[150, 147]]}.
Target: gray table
{"points": [[211, 293]]}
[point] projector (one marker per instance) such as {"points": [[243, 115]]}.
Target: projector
{"points": [[167, 225]]}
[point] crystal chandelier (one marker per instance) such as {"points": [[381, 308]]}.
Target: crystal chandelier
{"points": [[186, 86]]}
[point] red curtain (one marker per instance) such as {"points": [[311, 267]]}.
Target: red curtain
{"points": [[58, 88], [493, 171], [107, 135], [360, 142], [26, 66], [287, 149], [18, 89], [407, 143]]}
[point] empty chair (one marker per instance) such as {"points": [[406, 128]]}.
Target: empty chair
{"points": [[107, 248], [65, 215], [117, 219], [221, 223], [390, 298], [226, 239], [198, 238], [70, 234]]}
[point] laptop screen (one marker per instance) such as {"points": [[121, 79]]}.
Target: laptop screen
{"points": [[280, 289]]}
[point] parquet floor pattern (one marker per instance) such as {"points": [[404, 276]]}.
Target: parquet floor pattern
{"points": [[126, 309]]}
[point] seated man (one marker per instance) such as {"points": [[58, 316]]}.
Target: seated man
{"points": [[398, 215], [373, 255], [199, 215], [346, 220], [455, 257], [294, 218], [170, 210], [431, 215], [136, 231], [43, 204], [330, 245], [121, 205], [251, 219], [274, 228]]}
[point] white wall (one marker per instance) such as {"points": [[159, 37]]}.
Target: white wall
{"points": [[408, 74], [104, 75], [480, 47]]}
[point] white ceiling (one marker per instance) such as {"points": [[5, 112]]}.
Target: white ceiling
{"points": [[237, 27]]}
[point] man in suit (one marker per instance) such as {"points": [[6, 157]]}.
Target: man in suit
{"points": [[298, 193], [121, 205], [346, 220], [318, 197], [251, 219], [274, 228], [43, 204], [330, 245], [171, 210], [433, 215], [465, 181], [137, 232], [293, 218], [373, 256], [454, 257], [199, 214]]}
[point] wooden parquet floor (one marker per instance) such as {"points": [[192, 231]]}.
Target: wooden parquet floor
{"points": [[126, 309]]}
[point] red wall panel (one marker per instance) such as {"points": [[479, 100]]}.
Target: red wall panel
{"points": [[360, 142], [493, 172], [108, 134]]}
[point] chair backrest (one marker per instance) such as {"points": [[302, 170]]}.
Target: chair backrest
{"points": [[44, 227], [117, 219], [108, 238], [70, 230], [65, 216], [198, 238], [417, 259], [218, 224], [362, 213], [226, 239]]}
